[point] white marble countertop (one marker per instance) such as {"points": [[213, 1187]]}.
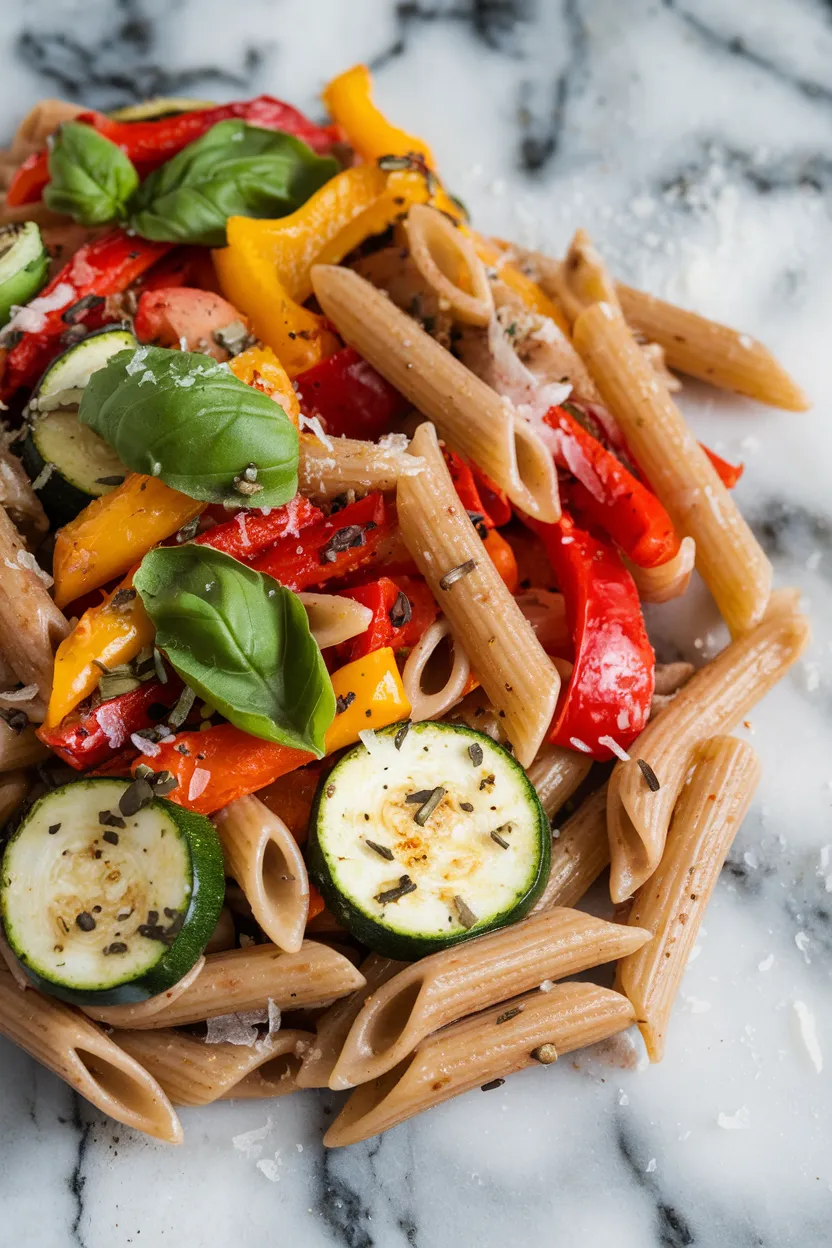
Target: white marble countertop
{"points": [[693, 138]]}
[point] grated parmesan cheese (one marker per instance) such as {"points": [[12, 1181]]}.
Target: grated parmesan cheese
{"points": [[611, 744], [199, 783]]}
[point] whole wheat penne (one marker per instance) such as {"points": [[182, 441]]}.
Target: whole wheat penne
{"points": [[31, 625], [19, 499], [668, 580], [672, 902], [580, 852], [426, 701], [333, 618], [444, 987], [581, 279], [245, 979], [713, 352], [670, 677], [134, 1015], [264, 858], [80, 1054], [511, 665], [193, 1072], [14, 785], [469, 414], [329, 467], [713, 701], [728, 556], [490, 1045], [445, 257], [19, 749], [224, 935], [39, 123], [333, 1027], [556, 774]]}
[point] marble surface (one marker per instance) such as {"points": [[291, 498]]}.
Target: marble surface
{"points": [[693, 138]]}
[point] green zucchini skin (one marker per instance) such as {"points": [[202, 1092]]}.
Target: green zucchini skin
{"points": [[379, 936], [205, 901], [24, 266]]}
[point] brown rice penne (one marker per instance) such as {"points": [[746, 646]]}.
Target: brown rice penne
{"points": [[667, 580], [556, 773], [580, 852], [427, 702], [329, 467]]}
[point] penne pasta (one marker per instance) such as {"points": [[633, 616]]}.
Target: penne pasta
{"points": [[14, 785], [30, 624], [444, 987], [556, 774], [134, 1015], [667, 580], [713, 701], [728, 556], [333, 1027], [245, 979], [671, 904], [80, 1054], [328, 466], [469, 414], [39, 123], [546, 612], [20, 501], [19, 749], [333, 619], [670, 677], [580, 852], [422, 673], [192, 1072], [264, 858], [449, 264], [510, 663], [488, 1046], [712, 352]]}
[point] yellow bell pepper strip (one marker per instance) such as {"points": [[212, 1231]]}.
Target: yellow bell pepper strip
{"points": [[112, 633], [114, 532], [349, 100], [214, 767], [259, 367], [533, 296]]}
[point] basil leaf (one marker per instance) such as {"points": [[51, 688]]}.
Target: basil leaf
{"points": [[233, 170], [241, 640], [186, 419], [90, 178]]}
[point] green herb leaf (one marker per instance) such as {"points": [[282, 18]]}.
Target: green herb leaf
{"points": [[241, 641], [234, 170], [188, 420], [90, 178]]}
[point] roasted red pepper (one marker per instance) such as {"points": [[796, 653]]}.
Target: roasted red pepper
{"points": [[609, 692], [351, 399], [90, 738], [402, 610], [729, 474], [150, 143], [494, 500], [346, 540], [249, 533], [106, 266]]}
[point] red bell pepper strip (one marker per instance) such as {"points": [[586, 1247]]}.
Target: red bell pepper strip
{"points": [[494, 500], [609, 692], [466, 487], [249, 533], [344, 541], [729, 474], [350, 398], [120, 765], [381, 597], [90, 738], [185, 318], [150, 143], [105, 266], [607, 494]]}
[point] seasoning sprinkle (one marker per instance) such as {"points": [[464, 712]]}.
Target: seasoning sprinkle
{"points": [[182, 709], [468, 806], [117, 946], [85, 921], [351, 535], [398, 740], [134, 798], [110, 837], [343, 701], [420, 796], [649, 775], [53, 828], [188, 531], [401, 612], [17, 720], [381, 850], [109, 820], [404, 886], [114, 480], [487, 782], [503, 1018], [424, 812], [457, 573], [495, 836], [475, 753], [122, 597], [163, 782], [494, 1083], [466, 915], [545, 1054]]}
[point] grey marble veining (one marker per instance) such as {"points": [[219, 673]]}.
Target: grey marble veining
{"points": [[693, 138]]}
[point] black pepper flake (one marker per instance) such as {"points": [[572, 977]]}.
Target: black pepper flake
{"points": [[343, 701], [417, 798], [162, 783], [457, 573], [116, 946], [401, 612], [154, 930], [381, 850], [478, 521], [490, 1087], [475, 753], [122, 597], [466, 915], [188, 531], [404, 886], [495, 836], [426, 810], [487, 782], [649, 775], [109, 820], [469, 806], [76, 311], [85, 921], [398, 740], [17, 720], [503, 1018], [110, 837], [53, 828], [368, 712], [343, 540]]}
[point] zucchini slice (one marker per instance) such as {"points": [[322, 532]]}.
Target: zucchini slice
{"points": [[426, 836], [24, 266], [107, 908], [69, 461], [160, 106]]}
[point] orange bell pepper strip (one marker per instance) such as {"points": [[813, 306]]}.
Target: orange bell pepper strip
{"points": [[114, 532], [216, 766], [533, 295], [260, 368], [502, 556], [349, 101], [112, 633]]}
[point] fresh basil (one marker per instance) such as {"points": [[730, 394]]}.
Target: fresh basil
{"points": [[90, 178], [232, 170], [241, 640], [186, 419]]}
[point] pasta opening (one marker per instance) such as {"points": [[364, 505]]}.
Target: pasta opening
{"points": [[363, 1101], [536, 473], [449, 264], [279, 1070], [436, 672], [389, 1023], [278, 878], [118, 1085]]}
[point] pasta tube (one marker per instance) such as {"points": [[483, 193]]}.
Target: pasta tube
{"points": [[469, 414], [333, 618], [329, 467], [245, 979], [668, 580], [475, 1051], [446, 259], [556, 774], [446, 986], [432, 703], [672, 902], [263, 857], [580, 852], [80, 1054], [30, 624], [714, 700], [511, 665]]}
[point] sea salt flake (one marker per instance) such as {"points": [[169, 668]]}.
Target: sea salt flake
{"points": [[618, 751], [766, 964], [803, 943], [314, 425], [149, 748], [269, 1167], [250, 1142], [739, 1121], [238, 1028], [547, 985], [623, 1098], [651, 1165], [580, 745], [809, 1033]]}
